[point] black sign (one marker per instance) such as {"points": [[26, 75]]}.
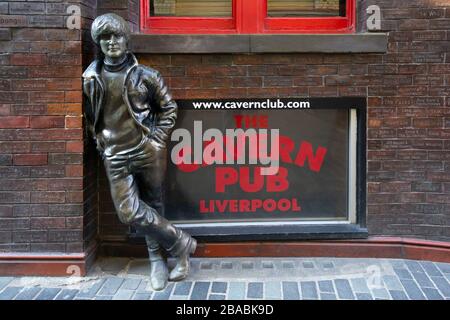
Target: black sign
{"points": [[312, 180]]}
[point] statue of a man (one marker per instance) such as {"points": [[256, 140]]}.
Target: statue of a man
{"points": [[130, 114]]}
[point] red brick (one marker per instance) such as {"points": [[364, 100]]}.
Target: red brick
{"points": [[29, 159], [13, 122], [73, 96], [47, 96], [428, 123], [65, 184], [14, 147], [48, 223], [184, 82], [74, 197], [74, 170], [74, 122], [28, 59], [47, 122], [74, 223], [74, 146], [29, 84], [247, 82], [218, 82], [64, 84], [48, 197]]}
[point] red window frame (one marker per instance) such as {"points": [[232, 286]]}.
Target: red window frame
{"points": [[248, 16]]}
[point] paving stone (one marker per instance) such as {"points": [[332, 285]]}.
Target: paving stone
{"points": [[360, 285], [200, 290], [216, 297], [91, 291], [326, 286], [131, 284], [327, 296], [343, 288], [226, 265], [247, 265], [288, 265], [364, 296], [432, 294], [9, 293], [443, 286], [412, 290], [110, 286], [431, 269], [290, 290], [144, 287], [206, 265], [398, 295], [236, 291], [4, 281], [164, 294], [309, 290], [123, 294], [183, 288], [308, 265], [255, 290], [219, 287], [142, 296], [414, 266], [403, 274], [423, 280], [380, 294], [444, 267], [397, 263], [48, 294], [67, 294], [267, 265], [272, 290], [28, 293], [392, 282]]}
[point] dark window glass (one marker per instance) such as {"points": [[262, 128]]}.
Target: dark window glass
{"points": [[190, 8], [305, 8]]}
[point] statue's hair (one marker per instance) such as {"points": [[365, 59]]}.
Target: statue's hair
{"points": [[109, 23]]}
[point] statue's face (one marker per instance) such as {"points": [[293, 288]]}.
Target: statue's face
{"points": [[113, 45]]}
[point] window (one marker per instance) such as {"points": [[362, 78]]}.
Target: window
{"points": [[247, 16]]}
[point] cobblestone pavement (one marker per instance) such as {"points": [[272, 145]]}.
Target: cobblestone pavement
{"points": [[246, 278]]}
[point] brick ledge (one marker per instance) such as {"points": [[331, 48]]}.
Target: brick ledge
{"points": [[261, 43]]}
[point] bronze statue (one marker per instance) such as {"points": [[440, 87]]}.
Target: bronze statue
{"points": [[130, 114]]}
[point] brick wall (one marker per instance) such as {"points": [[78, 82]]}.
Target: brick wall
{"points": [[45, 180], [408, 92], [50, 194]]}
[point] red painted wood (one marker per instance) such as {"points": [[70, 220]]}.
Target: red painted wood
{"points": [[248, 17], [186, 25]]}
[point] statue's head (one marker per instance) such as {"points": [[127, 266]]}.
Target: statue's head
{"points": [[111, 32]]}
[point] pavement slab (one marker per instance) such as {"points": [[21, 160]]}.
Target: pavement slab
{"points": [[246, 279]]}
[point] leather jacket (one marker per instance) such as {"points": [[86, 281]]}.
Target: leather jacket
{"points": [[146, 95]]}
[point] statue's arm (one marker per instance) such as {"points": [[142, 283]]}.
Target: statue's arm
{"points": [[167, 113]]}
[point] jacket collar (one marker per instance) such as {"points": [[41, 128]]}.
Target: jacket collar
{"points": [[95, 67]]}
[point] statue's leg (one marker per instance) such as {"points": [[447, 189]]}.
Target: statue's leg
{"points": [[151, 173], [159, 272]]}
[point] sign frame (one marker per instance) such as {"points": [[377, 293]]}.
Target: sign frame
{"points": [[353, 228]]}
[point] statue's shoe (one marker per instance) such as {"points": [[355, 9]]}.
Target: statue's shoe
{"points": [[158, 274], [181, 269]]}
